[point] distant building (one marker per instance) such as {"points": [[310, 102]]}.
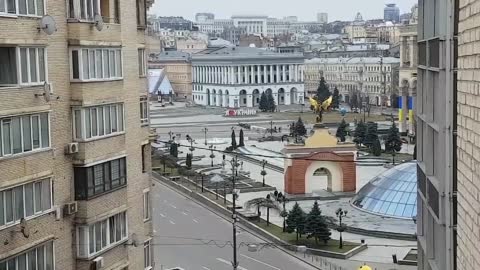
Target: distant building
{"points": [[172, 23], [322, 17], [203, 17], [391, 13], [257, 41], [178, 68], [190, 45], [235, 77], [354, 76], [233, 34], [252, 24], [360, 50]]}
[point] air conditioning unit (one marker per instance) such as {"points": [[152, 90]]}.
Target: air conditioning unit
{"points": [[70, 208], [72, 148], [97, 263]]}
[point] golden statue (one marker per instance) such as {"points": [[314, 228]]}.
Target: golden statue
{"points": [[320, 108]]}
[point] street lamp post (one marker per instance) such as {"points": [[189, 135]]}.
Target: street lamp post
{"points": [[340, 214], [235, 165], [170, 133], [205, 130], [202, 182], [191, 140], [263, 173], [271, 128], [212, 156]]}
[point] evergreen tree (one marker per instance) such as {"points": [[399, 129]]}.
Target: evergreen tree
{"points": [[234, 140], [300, 129], [342, 130], [316, 226], [360, 133], [322, 91], [376, 148], [270, 102], [188, 161], [174, 149], [292, 129], [336, 98], [263, 103], [296, 221], [372, 134], [393, 143], [354, 101], [241, 142]]}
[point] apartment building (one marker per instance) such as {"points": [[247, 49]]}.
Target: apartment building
{"points": [[74, 147]]}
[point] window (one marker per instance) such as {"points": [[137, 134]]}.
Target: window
{"points": [[96, 64], [21, 134], [145, 157], [141, 13], [142, 67], [25, 201], [95, 180], [24, 7], [144, 110], [22, 65], [147, 255], [146, 205], [98, 121], [96, 237], [39, 257]]}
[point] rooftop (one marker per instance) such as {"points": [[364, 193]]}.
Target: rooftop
{"points": [[353, 60], [242, 53]]}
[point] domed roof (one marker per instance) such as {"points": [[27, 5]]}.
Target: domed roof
{"points": [[393, 193]]}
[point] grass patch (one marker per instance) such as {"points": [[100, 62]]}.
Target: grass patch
{"points": [[332, 245]]}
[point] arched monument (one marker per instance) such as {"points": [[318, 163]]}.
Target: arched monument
{"points": [[320, 163]]}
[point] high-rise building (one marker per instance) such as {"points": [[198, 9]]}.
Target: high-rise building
{"points": [[322, 17], [391, 13], [436, 134], [74, 136]]}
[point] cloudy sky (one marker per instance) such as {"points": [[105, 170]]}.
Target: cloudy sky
{"points": [[304, 9]]}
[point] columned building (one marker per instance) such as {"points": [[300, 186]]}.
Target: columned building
{"points": [[373, 78], [236, 77]]}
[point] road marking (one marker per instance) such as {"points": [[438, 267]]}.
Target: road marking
{"points": [[162, 215], [229, 263], [266, 264], [184, 213], [206, 268], [173, 223], [194, 220]]}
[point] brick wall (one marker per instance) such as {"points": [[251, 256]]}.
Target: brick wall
{"points": [[295, 174], [468, 139]]}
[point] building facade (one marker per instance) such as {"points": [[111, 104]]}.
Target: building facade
{"points": [[436, 128], [178, 68], [236, 77], [408, 77], [322, 17], [391, 13], [367, 77], [74, 151]]}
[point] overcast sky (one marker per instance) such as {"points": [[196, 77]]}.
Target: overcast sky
{"points": [[305, 9]]}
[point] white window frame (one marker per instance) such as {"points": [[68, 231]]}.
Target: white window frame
{"points": [[35, 214], [148, 265], [119, 108], [19, 66], [105, 77], [144, 111], [142, 63], [77, 12], [26, 253], [86, 236], [17, 13], [23, 152], [147, 202]]}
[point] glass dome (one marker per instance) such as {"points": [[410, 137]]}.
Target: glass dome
{"points": [[392, 193]]}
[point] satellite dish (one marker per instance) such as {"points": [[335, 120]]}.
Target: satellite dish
{"points": [[47, 92], [24, 228], [48, 25], [98, 22]]}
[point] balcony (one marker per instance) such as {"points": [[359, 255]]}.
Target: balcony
{"points": [[101, 205], [100, 148], [85, 33], [86, 93]]}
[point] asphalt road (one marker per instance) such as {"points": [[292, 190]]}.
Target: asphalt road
{"points": [[183, 232]]}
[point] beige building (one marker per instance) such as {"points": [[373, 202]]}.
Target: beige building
{"points": [[178, 67], [74, 147], [191, 45]]}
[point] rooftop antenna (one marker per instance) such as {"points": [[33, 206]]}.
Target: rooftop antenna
{"points": [[48, 25]]}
